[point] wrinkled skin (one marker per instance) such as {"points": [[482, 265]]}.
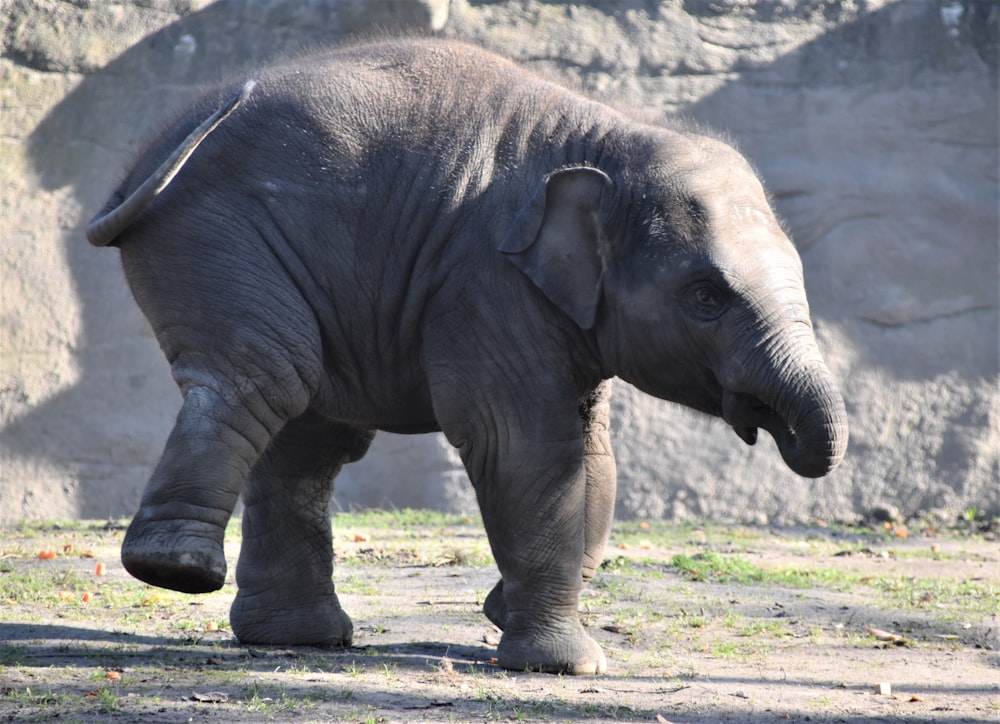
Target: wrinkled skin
{"points": [[416, 236]]}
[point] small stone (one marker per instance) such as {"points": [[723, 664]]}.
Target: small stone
{"points": [[885, 513], [883, 689]]}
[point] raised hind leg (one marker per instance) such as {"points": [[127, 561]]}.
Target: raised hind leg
{"points": [[243, 372], [175, 539], [286, 593]]}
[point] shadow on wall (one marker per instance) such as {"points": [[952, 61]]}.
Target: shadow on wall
{"points": [[106, 431], [110, 425], [879, 143]]}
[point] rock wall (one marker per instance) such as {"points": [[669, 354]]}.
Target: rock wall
{"points": [[875, 125]]}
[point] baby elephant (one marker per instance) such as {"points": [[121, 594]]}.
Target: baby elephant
{"points": [[417, 235]]}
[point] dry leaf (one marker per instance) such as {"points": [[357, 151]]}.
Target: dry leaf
{"points": [[883, 635]]}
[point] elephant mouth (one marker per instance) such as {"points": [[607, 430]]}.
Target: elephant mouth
{"points": [[746, 414], [746, 434], [812, 440]]}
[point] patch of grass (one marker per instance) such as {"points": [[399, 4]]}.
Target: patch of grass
{"points": [[409, 538], [464, 557], [718, 567], [255, 698], [695, 622], [616, 712], [949, 597], [619, 564], [724, 568], [360, 585], [28, 697], [354, 669], [971, 597], [821, 702], [665, 534], [107, 701], [615, 587], [49, 585], [761, 626], [234, 530], [728, 648], [405, 519]]}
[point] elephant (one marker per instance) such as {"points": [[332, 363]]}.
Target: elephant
{"points": [[417, 235]]}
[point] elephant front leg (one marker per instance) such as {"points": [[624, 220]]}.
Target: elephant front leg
{"points": [[601, 488], [602, 477], [286, 592], [532, 492]]}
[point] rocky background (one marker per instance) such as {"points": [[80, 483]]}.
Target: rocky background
{"points": [[874, 123]]}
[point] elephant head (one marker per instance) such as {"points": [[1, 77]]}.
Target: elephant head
{"points": [[691, 288]]}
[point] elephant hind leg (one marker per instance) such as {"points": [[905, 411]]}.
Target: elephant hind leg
{"points": [[245, 350], [176, 538], [286, 593]]}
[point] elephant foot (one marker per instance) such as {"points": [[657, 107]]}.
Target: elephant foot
{"points": [[180, 554], [558, 646], [257, 620], [495, 607]]}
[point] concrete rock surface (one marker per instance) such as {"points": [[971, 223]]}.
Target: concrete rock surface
{"points": [[874, 123]]}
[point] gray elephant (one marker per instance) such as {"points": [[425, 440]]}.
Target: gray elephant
{"points": [[418, 235]]}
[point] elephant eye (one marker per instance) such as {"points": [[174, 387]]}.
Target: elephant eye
{"points": [[705, 301]]}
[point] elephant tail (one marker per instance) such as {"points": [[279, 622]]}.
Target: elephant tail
{"points": [[110, 222]]}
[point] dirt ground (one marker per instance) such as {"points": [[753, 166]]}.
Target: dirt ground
{"points": [[699, 624]]}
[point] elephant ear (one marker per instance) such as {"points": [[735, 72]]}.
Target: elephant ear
{"points": [[556, 239]]}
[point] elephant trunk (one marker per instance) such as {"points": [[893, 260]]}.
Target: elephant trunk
{"points": [[791, 394], [813, 436]]}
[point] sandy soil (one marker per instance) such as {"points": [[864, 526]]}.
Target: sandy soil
{"points": [[883, 629]]}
